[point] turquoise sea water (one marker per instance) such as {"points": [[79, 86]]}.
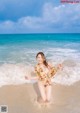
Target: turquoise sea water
{"points": [[18, 51], [33, 43]]}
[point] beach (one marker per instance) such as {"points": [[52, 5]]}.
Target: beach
{"points": [[23, 99], [17, 60]]}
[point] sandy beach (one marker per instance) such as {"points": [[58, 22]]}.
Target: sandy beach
{"points": [[23, 99]]}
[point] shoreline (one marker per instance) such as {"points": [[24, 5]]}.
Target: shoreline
{"points": [[23, 98]]}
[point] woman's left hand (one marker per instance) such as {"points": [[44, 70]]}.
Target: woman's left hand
{"points": [[60, 66]]}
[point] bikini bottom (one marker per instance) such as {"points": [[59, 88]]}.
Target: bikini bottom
{"points": [[47, 83]]}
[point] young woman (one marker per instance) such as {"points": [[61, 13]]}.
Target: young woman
{"points": [[44, 71]]}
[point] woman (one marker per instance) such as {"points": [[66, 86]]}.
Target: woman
{"points": [[44, 71]]}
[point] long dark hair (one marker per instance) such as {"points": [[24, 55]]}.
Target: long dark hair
{"points": [[43, 56]]}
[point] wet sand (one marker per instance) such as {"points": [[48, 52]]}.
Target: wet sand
{"points": [[23, 99]]}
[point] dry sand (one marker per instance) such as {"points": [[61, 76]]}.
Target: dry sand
{"points": [[23, 99]]}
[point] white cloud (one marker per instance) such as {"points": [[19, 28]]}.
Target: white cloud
{"points": [[62, 18], [61, 14], [31, 22]]}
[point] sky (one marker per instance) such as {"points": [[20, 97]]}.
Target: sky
{"points": [[39, 16]]}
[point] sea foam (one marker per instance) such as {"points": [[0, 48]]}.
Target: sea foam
{"points": [[14, 74]]}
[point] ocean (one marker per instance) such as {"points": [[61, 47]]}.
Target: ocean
{"points": [[18, 56]]}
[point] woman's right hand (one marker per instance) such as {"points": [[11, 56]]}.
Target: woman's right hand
{"points": [[27, 78]]}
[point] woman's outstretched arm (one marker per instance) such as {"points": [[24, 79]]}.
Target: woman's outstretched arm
{"points": [[58, 67], [54, 69], [32, 78]]}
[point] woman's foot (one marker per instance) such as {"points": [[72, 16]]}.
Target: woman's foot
{"points": [[47, 101], [40, 100]]}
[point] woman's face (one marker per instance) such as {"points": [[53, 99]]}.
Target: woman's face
{"points": [[40, 59]]}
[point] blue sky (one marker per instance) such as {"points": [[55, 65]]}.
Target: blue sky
{"points": [[43, 16]]}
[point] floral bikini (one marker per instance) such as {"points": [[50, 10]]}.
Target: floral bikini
{"points": [[45, 74]]}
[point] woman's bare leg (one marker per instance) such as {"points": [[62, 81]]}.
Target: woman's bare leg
{"points": [[42, 90], [48, 92]]}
